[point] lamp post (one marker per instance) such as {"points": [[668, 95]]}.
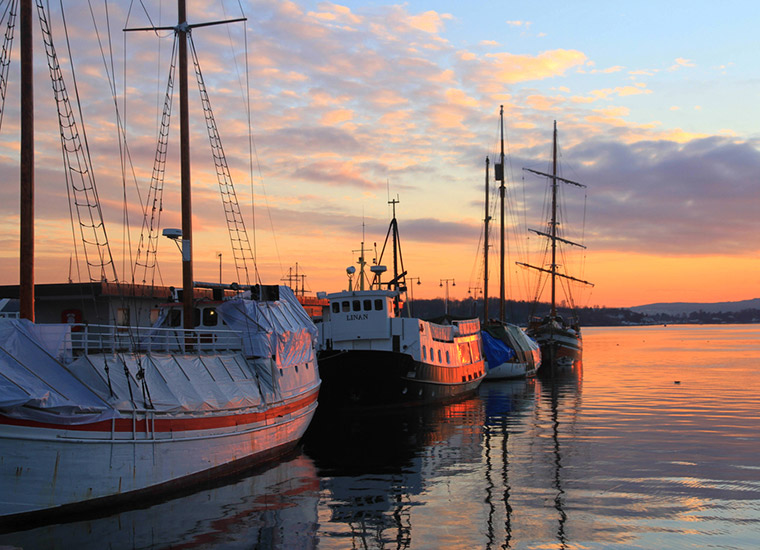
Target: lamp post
{"points": [[411, 292], [446, 303], [220, 266], [474, 291]]}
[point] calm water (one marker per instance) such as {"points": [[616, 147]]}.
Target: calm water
{"points": [[656, 444]]}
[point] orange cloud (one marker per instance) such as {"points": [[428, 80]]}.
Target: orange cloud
{"points": [[337, 116], [512, 68], [430, 21]]}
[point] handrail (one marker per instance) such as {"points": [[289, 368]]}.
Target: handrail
{"points": [[87, 338]]}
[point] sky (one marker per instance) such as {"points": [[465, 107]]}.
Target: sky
{"points": [[355, 103]]}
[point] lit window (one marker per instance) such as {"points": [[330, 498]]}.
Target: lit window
{"points": [[210, 318]]}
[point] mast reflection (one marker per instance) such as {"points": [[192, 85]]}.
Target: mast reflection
{"points": [[374, 465]]}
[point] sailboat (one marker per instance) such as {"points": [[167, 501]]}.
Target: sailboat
{"points": [[509, 352], [560, 339], [370, 355], [94, 416]]}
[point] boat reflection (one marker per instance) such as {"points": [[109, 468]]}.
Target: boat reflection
{"points": [[376, 465], [272, 508], [504, 402]]}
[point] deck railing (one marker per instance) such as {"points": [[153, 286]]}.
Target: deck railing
{"points": [[110, 339]]}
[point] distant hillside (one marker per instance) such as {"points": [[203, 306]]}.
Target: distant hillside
{"points": [[680, 308]]}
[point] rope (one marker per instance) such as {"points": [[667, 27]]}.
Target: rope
{"points": [[5, 56]]}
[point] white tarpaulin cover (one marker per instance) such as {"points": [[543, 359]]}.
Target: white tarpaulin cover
{"points": [[39, 380], [173, 383], [34, 385], [281, 330]]}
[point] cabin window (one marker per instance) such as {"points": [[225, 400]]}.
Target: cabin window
{"points": [[122, 316], [346, 307], [357, 305], [155, 313], [424, 353], [379, 305], [439, 356], [476, 350], [196, 317], [210, 317], [448, 359], [175, 318], [336, 307], [367, 305]]}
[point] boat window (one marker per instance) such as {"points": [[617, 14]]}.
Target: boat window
{"points": [[357, 305], [155, 313], [424, 353], [210, 317], [336, 307], [379, 304], [346, 306], [439, 356], [367, 305], [175, 318], [122, 316], [196, 317], [448, 359]]}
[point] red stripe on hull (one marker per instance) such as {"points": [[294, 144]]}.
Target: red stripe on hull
{"points": [[173, 424]]}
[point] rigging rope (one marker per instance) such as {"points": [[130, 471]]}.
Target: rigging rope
{"points": [[154, 201], [78, 167], [241, 247], [5, 55]]}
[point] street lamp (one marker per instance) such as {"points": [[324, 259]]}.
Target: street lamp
{"points": [[477, 290], [446, 303], [411, 292]]}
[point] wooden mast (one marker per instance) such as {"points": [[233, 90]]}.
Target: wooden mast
{"points": [[502, 192], [188, 320], [26, 240], [485, 252], [553, 313]]}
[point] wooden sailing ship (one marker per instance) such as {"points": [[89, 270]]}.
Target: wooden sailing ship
{"points": [[560, 339], [509, 352], [94, 415]]}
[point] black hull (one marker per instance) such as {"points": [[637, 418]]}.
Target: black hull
{"points": [[376, 379]]}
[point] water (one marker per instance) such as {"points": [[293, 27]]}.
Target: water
{"points": [[654, 445]]}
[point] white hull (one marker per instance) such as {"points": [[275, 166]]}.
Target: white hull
{"points": [[42, 467], [81, 429], [509, 371]]}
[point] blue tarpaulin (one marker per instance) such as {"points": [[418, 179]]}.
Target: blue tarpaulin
{"points": [[497, 352]]}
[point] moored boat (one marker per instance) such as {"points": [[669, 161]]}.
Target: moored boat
{"points": [[100, 414], [509, 352], [560, 340], [371, 355]]}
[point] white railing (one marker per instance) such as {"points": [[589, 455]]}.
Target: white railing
{"points": [[110, 339]]}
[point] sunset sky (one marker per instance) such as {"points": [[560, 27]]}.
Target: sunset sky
{"points": [[355, 102]]}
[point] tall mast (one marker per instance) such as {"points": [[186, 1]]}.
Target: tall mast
{"points": [[554, 221], [26, 240], [394, 202], [485, 253], [502, 191], [188, 321]]}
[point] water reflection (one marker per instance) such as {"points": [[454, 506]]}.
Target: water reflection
{"points": [[377, 465], [274, 508], [617, 455]]}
